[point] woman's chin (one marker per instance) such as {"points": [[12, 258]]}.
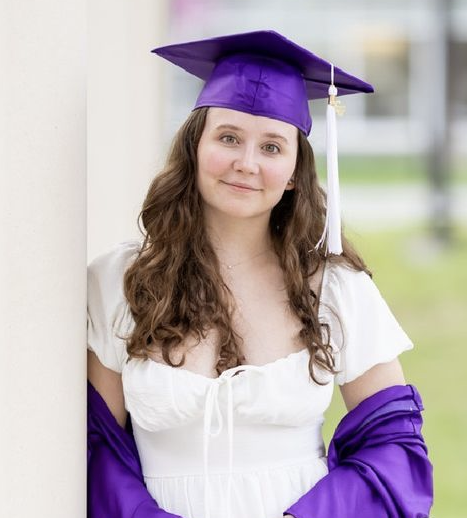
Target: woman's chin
{"points": [[236, 213]]}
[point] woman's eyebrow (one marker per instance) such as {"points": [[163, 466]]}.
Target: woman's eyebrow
{"points": [[228, 126], [276, 136], [268, 134]]}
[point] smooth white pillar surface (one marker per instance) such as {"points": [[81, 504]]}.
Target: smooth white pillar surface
{"points": [[42, 259], [125, 100]]}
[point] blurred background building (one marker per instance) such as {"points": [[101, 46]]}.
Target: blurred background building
{"points": [[391, 43]]}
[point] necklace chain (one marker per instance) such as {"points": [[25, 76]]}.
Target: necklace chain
{"points": [[230, 266]]}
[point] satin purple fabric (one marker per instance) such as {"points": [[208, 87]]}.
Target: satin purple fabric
{"points": [[259, 86], [262, 73], [377, 459]]}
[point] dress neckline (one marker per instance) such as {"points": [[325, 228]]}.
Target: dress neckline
{"points": [[231, 371], [247, 367]]}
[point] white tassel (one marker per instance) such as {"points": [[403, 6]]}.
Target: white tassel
{"points": [[332, 227]]}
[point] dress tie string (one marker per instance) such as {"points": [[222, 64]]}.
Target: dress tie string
{"points": [[212, 404]]}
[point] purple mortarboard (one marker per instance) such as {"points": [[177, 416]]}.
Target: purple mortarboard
{"points": [[263, 73]]}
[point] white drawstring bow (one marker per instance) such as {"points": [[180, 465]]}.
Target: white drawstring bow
{"points": [[212, 402]]}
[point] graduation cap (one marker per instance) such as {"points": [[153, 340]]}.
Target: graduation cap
{"points": [[263, 73]]}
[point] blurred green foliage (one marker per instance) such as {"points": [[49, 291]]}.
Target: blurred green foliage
{"points": [[425, 284], [377, 169]]}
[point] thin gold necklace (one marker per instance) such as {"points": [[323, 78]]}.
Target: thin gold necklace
{"points": [[230, 266]]}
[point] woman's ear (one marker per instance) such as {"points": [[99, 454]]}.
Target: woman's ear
{"points": [[290, 184]]}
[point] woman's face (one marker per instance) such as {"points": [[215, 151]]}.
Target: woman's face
{"points": [[244, 163]]}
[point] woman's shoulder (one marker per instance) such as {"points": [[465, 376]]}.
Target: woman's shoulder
{"points": [[342, 282], [350, 295], [114, 260], [105, 277], [108, 316], [363, 327]]}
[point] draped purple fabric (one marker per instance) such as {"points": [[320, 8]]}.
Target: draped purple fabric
{"points": [[378, 465], [115, 482]]}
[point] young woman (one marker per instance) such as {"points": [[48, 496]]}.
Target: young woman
{"points": [[221, 333]]}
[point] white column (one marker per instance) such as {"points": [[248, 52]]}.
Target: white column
{"points": [[42, 259], [125, 100]]}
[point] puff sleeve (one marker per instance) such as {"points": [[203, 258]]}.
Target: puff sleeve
{"points": [[108, 312], [364, 331]]}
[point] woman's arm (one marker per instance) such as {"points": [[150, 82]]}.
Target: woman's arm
{"points": [[109, 385], [375, 379]]}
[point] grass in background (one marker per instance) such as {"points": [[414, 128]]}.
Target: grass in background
{"points": [[379, 169], [425, 285]]}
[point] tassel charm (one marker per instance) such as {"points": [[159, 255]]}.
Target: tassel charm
{"points": [[338, 106], [332, 228]]}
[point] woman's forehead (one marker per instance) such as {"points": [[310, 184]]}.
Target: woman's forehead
{"points": [[225, 118]]}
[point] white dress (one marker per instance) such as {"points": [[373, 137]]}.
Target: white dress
{"points": [[247, 444]]}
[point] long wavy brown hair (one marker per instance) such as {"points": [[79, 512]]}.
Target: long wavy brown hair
{"points": [[174, 286]]}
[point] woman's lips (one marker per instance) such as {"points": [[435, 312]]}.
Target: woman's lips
{"points": [[241, 187]]}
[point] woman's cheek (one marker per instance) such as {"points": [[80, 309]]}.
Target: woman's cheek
{"points": [[278, 179], [214, 165]]}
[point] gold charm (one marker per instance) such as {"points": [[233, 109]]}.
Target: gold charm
{"points": [[338, 106]]}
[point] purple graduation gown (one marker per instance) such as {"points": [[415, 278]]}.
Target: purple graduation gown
{"points": [[377, 459]]}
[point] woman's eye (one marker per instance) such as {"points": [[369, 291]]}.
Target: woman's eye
{"points": [[271, 148], [229, 139]]}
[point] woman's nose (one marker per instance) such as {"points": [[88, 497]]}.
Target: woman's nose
{"points": [[246, 161]]}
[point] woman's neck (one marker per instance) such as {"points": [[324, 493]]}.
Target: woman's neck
{"points": [[239, 240]]}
